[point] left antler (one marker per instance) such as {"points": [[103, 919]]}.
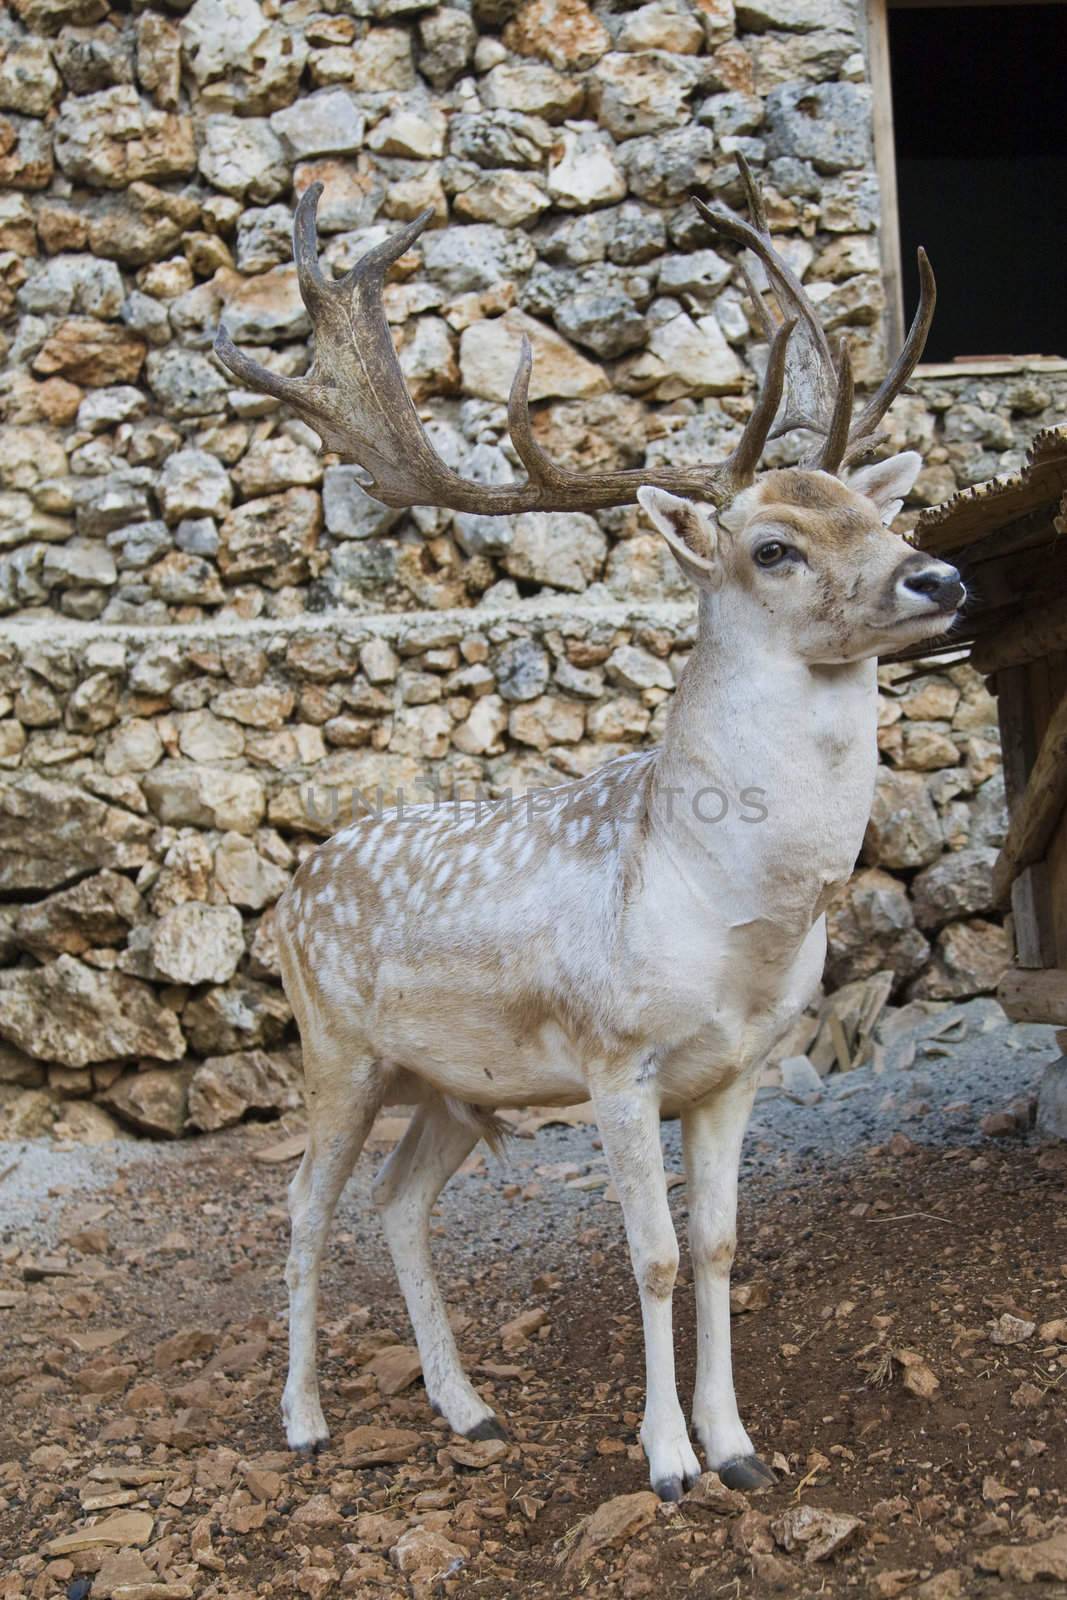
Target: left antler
{"points": [[818, 390]]}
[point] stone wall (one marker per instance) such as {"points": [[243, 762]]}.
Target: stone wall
{"points": [[160, 789], [151, 158], [202, 615]]}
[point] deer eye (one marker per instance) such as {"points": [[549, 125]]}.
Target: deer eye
{"points": [[771, 553]]}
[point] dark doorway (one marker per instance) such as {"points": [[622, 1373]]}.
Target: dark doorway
{"points": [[981, 155]]}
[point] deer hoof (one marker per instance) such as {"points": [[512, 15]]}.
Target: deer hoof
{"points": [[489, 1428], [308, 1452], [747, 1473], [669, 1488]]}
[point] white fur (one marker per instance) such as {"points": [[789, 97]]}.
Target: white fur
{"points": [[611, 945]]}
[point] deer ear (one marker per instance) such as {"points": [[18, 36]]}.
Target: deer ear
{"points": [[888, 483], [690, 531]]}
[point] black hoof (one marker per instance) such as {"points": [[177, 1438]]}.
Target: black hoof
{"points": [[491, 1428], [747, 1473], [669, 1488], [308, 1452]]}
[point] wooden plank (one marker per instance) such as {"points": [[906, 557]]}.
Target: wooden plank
{"points": [[1027, 637], [993, 368], [885, 162], [1056, 856], [1035, 996], [1037, 812], [1018, 742], [1032, 918]]}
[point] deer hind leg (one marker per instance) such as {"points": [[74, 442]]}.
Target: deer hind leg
{"points": [[712, 1134], [434, 1145], [343, 1097], [628, 1120]]}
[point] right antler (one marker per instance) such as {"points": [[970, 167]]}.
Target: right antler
{"points": [[355, 397], [818, 390]]}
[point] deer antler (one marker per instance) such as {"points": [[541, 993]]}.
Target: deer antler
{"points": [[818, 391], [355, 397]]}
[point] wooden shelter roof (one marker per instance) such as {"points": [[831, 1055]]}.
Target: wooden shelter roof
{"points": [[1009, 539]]}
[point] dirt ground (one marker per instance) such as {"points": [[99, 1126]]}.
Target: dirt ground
{"points": [[900, 1360]]}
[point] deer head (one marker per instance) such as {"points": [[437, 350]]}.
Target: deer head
{"points": [[801, 541]]}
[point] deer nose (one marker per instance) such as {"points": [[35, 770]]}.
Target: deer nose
{"points": [[936, 581]]}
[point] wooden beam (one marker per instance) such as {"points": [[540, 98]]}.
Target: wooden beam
{"points": [[1036, 814], [1035, 996], [885, 163], [1032, 917], [1026, 637]]}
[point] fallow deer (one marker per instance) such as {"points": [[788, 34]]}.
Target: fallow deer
{"points": [[610, 945]]}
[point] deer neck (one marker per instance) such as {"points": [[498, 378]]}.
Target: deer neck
{"points": [[786, 750]]}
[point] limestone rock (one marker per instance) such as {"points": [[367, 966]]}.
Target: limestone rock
{"points": [[266, 308], [643, 93], [509, 198], [271, 538], [264, 237], [489, 353], [537, 90], [111, 139], [185, 383], [349, 511], [521, 670], [25, 153], [959, 884], [159, 59], [584, 172], [28, 80], [52, 833], [693, 357], [871, 927], [240, 61], [153, 1101], [74, 283], [563, 32], [426, 1555], [663, 25], [612, 1523], [669, 165], [500, 138], [969, 958], [243, 156], [447, 37], [563, 549], [90, 353], [73, 1014], [824, 123], [196, 943], [819, 1533], [608, 323], [194, 484], [245, 877], [1028, 1563], [475, 257], [226, 1088], [97, 911], [182, 793], [236, 1016], [327, 123], [904, 830]]}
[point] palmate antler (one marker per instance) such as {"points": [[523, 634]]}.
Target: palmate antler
{"points": [[355, 397], [818, 389]]}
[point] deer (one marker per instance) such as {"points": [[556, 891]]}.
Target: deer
{"points": [[610, 945]]}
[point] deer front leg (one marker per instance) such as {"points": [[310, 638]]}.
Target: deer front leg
{"points": [[628, 1119], [712, 1133]]}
